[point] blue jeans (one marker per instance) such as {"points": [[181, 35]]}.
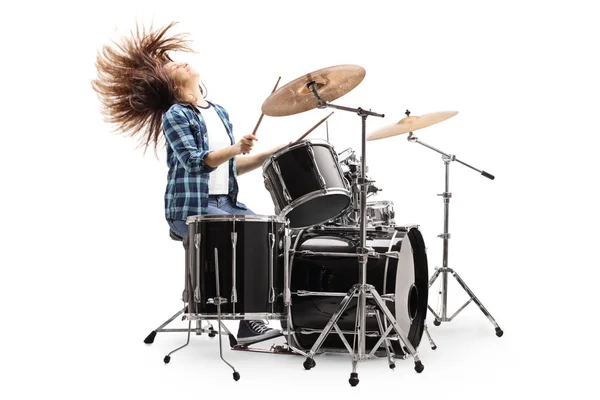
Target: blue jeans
{"points": [[217, 205]]}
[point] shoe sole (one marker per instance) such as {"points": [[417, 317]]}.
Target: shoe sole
{"points": [[257, 339]]}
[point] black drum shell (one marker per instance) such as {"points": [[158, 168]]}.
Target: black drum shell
{"points": [[301, 173], [252, 265], [319, 273]]}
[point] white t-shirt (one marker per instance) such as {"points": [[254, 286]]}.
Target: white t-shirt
{"points": [[218, 182]]}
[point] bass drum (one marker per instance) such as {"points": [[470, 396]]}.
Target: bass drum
{"points": [[319, 277]]}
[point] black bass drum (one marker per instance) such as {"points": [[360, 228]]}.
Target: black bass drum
{"points": [[319, 279]]}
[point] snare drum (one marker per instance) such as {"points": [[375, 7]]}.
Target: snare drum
{"points": [[306, 183], [378, 214], [381, 213], [250, 262]]}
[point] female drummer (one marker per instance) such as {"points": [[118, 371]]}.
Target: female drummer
{"points": [[153, 98]]}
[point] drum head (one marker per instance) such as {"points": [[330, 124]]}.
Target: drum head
{"points": [[317, 210], [411, 287]]}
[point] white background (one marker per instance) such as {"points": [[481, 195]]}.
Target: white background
{"points": [[88, 269]]}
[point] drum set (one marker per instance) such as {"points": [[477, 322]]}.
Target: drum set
{"points": [[331, 266]]}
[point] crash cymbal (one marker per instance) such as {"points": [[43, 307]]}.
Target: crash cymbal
{"points": [[411, 123], [295, 97]]}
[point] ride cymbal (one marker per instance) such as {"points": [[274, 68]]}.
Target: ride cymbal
{"points": [[331, 83], [411, 123]]}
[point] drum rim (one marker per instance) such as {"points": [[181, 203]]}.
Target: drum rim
{"points": [[380, 202], [313, 195], [237, 316], [288, 148], [356, 228], [236, 217]]}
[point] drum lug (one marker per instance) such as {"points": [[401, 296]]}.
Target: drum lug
{"points": [[217, 301], [271, 295], [338, 165], [197, 241], [272, 249], [270, 190], [233, 268], [286, 194], [287, 297], [318, 174]]}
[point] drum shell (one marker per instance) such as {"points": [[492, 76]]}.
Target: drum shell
{"points": [[252, 264], [338, 274], [381, 213], [310, 174]]}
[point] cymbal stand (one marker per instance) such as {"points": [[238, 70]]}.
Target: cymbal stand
{"points": [[444, 271], [362, 289]]}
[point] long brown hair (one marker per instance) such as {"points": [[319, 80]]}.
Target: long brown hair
{"points": [[133, 86]]}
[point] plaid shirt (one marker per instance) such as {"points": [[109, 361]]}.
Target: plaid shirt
{"points": [[187, 187]]}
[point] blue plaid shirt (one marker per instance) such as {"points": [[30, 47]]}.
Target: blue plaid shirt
{"points": [[187, 186]]}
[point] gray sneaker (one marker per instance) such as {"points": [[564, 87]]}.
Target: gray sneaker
{"points": [[255, 331]]}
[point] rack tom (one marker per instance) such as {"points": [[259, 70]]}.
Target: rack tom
{"points": [[306, 183]]}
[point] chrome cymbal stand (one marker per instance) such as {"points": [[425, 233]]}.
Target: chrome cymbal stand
{"points": [[361, 289], [444, 271]]}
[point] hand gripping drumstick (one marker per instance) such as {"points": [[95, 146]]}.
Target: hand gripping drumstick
{"points": [[262, 114], [314, 127]]}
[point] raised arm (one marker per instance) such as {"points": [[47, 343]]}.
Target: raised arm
{"points": [[243, 146], [250, 163], [195, 160]]}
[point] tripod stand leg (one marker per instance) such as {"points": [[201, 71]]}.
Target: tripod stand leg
{"points": [[388, 314], [232, 340], [310, 362], [441, 295], [219, 299], [167, 358], [236, 375], [150, 338], [388, 346], [343, 339], [437, 317], [354, 375], [434, 277], [431, 342], [485, 312]]}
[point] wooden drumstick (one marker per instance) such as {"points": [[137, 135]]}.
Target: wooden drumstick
{"points": [[262, 114], [314, 127]]}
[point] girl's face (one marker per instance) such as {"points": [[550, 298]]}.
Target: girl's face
{"points": [[182, 73]]}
